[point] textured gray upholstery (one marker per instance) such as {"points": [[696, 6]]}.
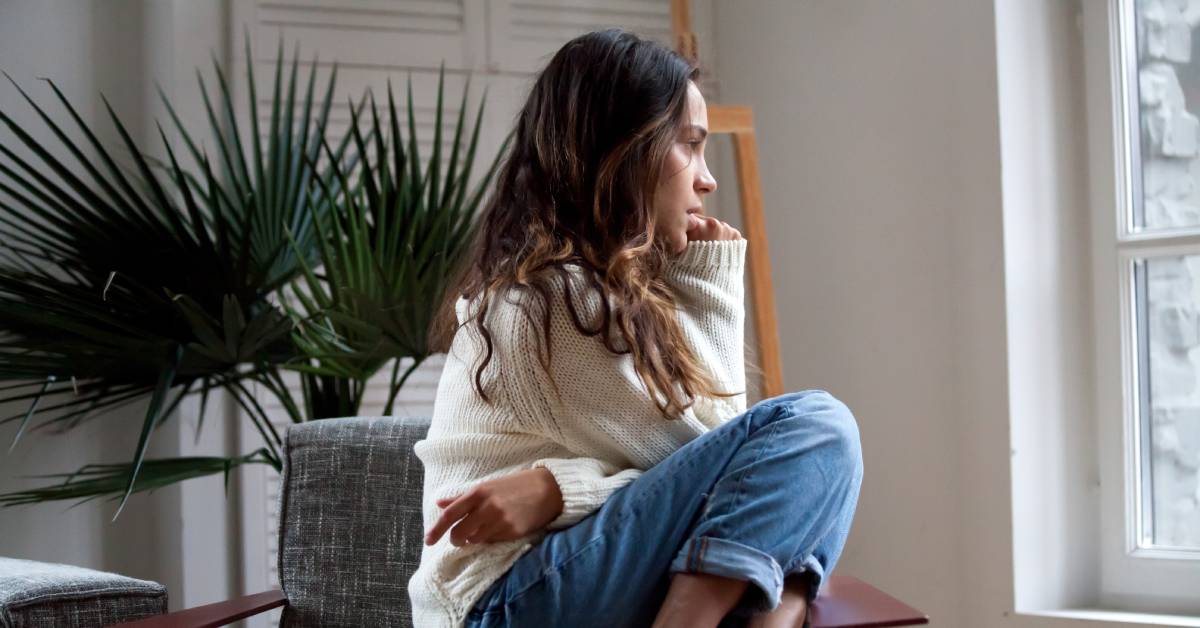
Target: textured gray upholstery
{"points": [[350, 528], [38, 595]]}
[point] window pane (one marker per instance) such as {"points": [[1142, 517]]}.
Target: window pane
{"points": [[1167, 298], [1166, 90]]}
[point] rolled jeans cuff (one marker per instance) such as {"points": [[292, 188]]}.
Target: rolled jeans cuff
{"points": [[816, 576], [730, 559]]}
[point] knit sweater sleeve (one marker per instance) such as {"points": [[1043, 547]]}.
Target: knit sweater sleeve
{"points": [[708, 282], [585, 481]]}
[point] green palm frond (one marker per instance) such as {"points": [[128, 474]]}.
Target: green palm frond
{"points": [[387, 251], [108, 480], [126, 277], [121, 281]]}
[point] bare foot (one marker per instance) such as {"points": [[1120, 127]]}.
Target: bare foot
{"points": [[698, 600]]}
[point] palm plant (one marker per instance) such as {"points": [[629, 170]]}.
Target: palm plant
{"points": [[394, 237], [153, 281]]}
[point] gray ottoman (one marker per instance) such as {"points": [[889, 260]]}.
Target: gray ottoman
{"points": [[37, 595]]}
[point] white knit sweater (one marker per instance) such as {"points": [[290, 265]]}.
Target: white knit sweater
{"points": [[600, 436]]}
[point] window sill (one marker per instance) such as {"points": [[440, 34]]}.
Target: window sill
{"points": [[1118, 617]]}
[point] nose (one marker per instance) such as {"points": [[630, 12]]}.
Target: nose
{"points": [[705, 183]]}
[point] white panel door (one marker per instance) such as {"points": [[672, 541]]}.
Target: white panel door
{"points": [[524, 34]]}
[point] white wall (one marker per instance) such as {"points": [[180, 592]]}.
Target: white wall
{"points": [[120, 49], [880, 144], [880, 157], [66, 42]]}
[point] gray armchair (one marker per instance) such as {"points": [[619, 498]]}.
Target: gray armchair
{"points": [[35, 594], [350, 537], [350, 528], [350, 505]]}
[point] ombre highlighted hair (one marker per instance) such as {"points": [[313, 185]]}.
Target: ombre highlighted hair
{"points": [[576, 190]]}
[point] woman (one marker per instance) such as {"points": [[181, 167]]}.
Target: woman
{"points": [[591, 460]]}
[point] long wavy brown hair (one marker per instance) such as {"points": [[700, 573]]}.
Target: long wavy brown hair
{"points": [[575, 192]]}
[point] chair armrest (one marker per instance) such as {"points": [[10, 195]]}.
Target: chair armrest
{"points": [[216, 614], [847, 602]]}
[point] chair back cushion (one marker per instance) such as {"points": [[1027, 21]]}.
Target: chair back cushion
{"points": [[350, 526]]}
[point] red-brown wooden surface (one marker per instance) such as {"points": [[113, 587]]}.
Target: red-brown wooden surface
{"points": [[847, 602], [210, 615]]}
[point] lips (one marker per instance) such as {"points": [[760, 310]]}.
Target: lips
{"points": [[695, 210]]}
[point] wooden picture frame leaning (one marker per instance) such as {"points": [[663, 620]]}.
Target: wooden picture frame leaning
{"points": [[738, 121]]}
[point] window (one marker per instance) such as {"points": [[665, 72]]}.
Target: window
{"points": [[1164, 202], [1147, 273]]}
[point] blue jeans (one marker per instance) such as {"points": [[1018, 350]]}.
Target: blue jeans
{"points": [[770, 493]]}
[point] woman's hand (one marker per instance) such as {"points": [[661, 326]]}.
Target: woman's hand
{"points": [[702, 227], [502, 509]]}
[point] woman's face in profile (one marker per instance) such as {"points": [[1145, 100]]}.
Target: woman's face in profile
{"points": [[685, 178]]}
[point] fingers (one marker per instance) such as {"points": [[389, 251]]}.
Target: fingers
{"points": [[476, 527], [464, 519], [484, 531], [725, 231], [457, 510], [493, 531], [468, 529], [711, 228]]}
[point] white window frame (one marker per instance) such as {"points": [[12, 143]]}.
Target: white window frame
{"points": [[1132, 578]]}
